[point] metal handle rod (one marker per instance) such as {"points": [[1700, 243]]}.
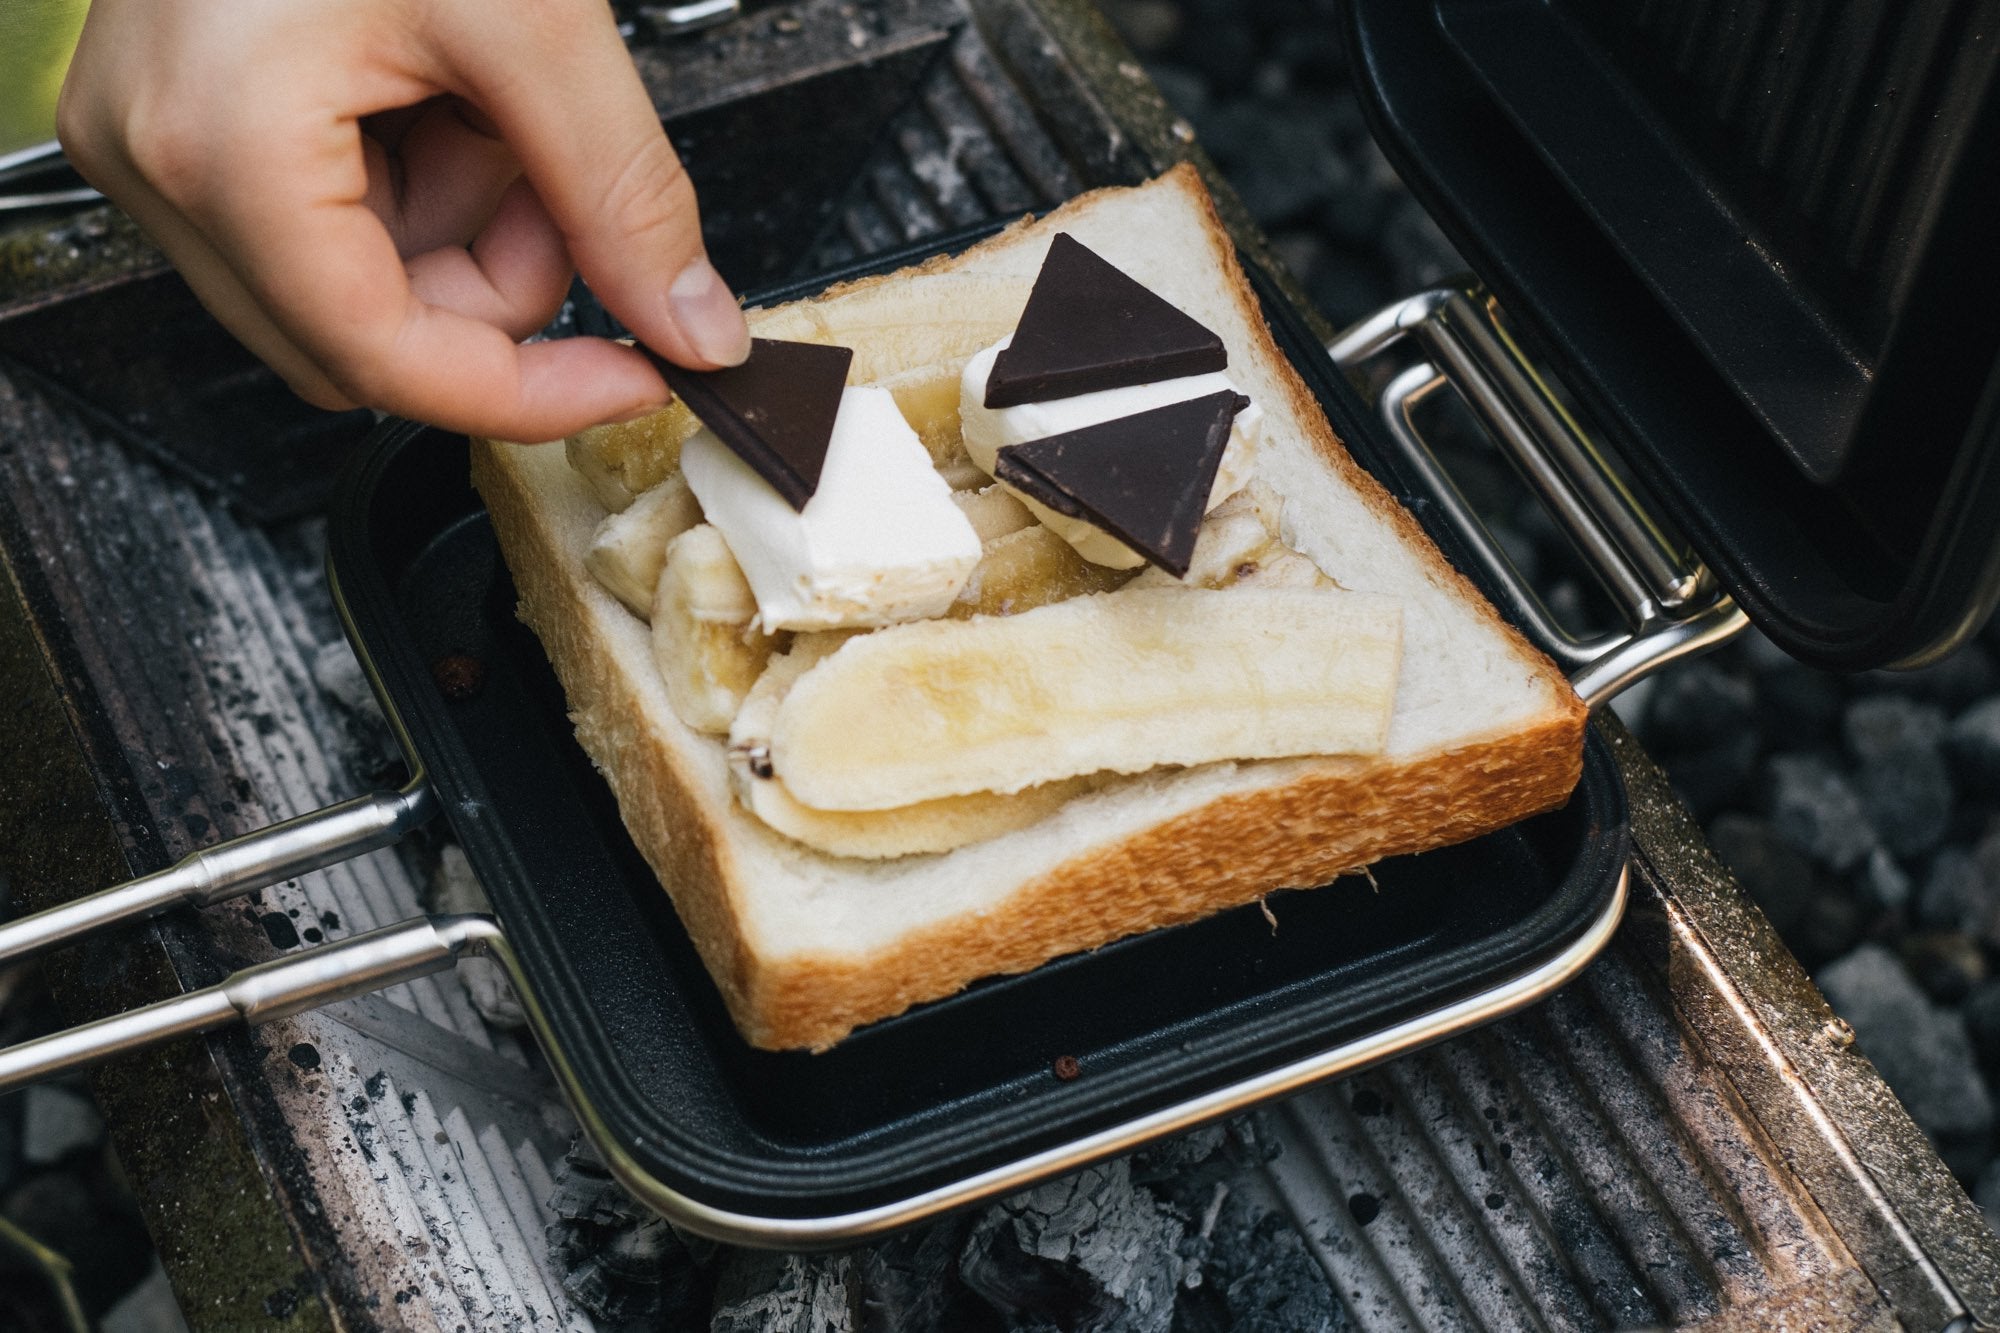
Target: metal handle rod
{"points": [[306, 843], [1670, 608], [1563, 467], [277, 989]]}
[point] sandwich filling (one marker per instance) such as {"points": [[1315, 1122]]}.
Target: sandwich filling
{"points": [[950, 630]]}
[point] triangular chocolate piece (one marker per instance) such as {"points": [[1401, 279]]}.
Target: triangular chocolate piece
{"points": [[776, 410], [1144, 478], [1089, 327]]}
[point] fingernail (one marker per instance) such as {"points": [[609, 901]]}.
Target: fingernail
{"points": [[644, 409], [706, 311]]}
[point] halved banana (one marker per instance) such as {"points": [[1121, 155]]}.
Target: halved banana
{"points": [[920, 319], [1029, 567], [624, 461], [1119, 682], [628, 548], [702, 641], [926, 827], [1239, 544]]}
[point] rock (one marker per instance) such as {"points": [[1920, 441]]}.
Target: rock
{"points": [[56, 1122], [1882, 724], [1778, 877], [1418, 253], [1908, 796], [1299, 251], [1924, 1052], [1698, 706], [1815, 810], [1091, 1250], [1947, 964], [1956, 895], [759, 1291], [1973, 742]]}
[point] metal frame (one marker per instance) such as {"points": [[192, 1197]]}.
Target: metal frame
{"points": [[1671, 607]]}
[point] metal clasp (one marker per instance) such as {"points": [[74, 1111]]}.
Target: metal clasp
{"points": [[1671, 606]]}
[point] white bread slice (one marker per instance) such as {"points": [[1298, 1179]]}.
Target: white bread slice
{"points": [[806, 946]]}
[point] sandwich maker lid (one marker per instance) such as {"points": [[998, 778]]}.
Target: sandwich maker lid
{"points": [[1756, 242]]}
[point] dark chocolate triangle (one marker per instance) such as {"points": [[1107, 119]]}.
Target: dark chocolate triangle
{"points": [[776, 410], [1089, 327], [1144, 478]]}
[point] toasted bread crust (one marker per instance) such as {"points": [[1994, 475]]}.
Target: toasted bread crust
{"points": [[1339, 816]]}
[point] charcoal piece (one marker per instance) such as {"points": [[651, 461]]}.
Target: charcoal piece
{"points": [[1908, 796], [619, 1261], [1089, 327], [1715, 777], [775, 411], [1956, 894], [1982, 1024], [1092, 1250], [1986, 1193], [1815, 810], [1697, 707], [56, 1122], [1831, 925], [1952, 682], [1973, 742], [1776, 875], [1258, 1276], [1880, 725], [1882, 882], [82, 1213], [910, 1281], [757, 1291], [1144, 479], [1923, 1051], [1947, 964], [1801, 706]]}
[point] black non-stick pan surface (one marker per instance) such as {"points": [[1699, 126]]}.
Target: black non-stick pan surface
{"points": [[955, 1087]]}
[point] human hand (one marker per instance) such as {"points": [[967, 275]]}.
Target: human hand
{"points": [[380, 197]]}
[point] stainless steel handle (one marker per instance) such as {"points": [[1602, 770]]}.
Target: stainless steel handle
{"points": [[309, 842], [259, 994], [1670, 605]]}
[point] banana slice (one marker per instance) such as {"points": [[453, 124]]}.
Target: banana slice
{"points": [[628, 549], [1120, 682], [927, 396], [1030, 567], [920, 319], [993, 511], [926, 827], [624, 461], [1239, 544], [702, 641]]}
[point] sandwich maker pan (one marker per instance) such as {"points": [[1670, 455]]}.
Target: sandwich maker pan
{"points": [[1008, 1082]]}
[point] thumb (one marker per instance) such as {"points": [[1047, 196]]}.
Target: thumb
{"points": [[563, 92]]}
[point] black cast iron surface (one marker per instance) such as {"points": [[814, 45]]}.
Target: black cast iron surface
{"points": [[953, 1087]]}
